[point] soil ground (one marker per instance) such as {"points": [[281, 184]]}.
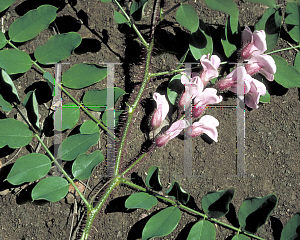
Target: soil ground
{"points": [[272, 131]]}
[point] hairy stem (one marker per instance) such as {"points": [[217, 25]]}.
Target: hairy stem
{"points": [[283, 49], [93, 213]]}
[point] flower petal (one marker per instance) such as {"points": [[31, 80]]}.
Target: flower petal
{"points": [[207, 124]]}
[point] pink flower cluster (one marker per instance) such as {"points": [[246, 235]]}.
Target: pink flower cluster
{"points": [[254, 45], [194, 90]]}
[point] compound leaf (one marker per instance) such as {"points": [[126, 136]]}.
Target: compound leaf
{"points": [[162, 223], [57, 48], [51, 189], [15, 61], [96, 100], [152, 180], [14, 133], [286, 75], [32, 23], [140, 200], [77, 144], [255, 211], [5, 4], [89, 127], [176, 192], [216, 204], [227, 6], [271, 24], [202, 230], [186, 16], [290, 230], [201, 41], [29, 168], [70, 116], [84, 164], [83, 75], [292, 20]]}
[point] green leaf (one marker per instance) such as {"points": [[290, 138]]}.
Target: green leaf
{"points": [[227, 6], [269, 3], [255, 211], [175, 88], [297, 62], [140, 200], [202, 230], [57, 48], [105, 1], [6, 106], [240, 237], [51, 81], [51, 189], [70, 116], [186, 16], [29, 168], [162, 223], [230, 35], [176, 192], [2, 39], [89, 127], [271, 24], [291, 229], [32, 23], [116, 119], [216, 204], [9, 85], [265, 98], [96, 99], [84, 164], [152, 180], [14, 133], [137, 9], [119, 18], [5, 4], [15, 61], [83, 75], [292, 20], [32, 108], [49, 77], [182, 59], [77, 144], [286, 75], [201, 41]]}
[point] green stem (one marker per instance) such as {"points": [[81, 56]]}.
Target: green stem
{"points": [[284, 49], [133, 25], [165, 73], [89, 206], [133, 164], [93, 213], [122, 180], [87, 112]]}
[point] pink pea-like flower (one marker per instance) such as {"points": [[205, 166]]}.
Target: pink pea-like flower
{"points": [[209, 68], [207, 124], [254, 43], [161, 110], [208, 96], [171, 133], [263, 64], [257, 89]]}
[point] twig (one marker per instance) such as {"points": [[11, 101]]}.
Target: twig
{"points": [[11, 158]]}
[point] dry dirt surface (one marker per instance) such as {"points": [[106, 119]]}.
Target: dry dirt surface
{"points": [[272, 131]]}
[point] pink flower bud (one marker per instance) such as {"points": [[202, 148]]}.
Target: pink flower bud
{"points": [[192, 87], [161, 110]]}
